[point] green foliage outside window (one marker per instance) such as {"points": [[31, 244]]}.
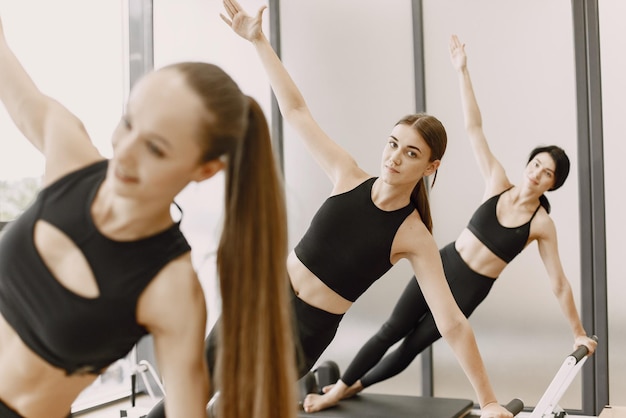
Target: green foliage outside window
{"points": [[15, 196]]}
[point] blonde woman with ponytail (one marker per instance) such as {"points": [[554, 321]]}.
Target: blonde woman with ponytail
{"points": [[96, 262], [366, 225]]}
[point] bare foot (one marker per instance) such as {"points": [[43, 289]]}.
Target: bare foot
{"points": [[349, 392], [314, 402]]}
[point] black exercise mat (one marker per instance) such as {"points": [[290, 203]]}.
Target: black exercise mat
{"points": [[372, 405]]}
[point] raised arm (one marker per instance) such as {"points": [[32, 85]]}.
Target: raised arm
{"points": [[51, 128], [451, 323], [333, 159], [490, 167], [548, 249]]}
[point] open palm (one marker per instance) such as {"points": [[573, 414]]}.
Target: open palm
{"points": [[457, 53], [244, 25]]}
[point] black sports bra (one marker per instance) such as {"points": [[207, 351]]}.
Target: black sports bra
{"points": [[348, 244], [504, 242]]}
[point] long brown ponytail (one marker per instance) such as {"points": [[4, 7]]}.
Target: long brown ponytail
{"points": [[256, 364], [434, 134], [255, 372]]}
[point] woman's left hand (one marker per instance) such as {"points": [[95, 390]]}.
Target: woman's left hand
{"points": [[590, 343], [457, 53], [244, 25]]}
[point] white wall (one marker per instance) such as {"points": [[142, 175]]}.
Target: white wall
{"points": [[613, 45]]}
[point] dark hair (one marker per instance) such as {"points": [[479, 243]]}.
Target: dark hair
{"points": [[433, 132], [561, 171], [255, 357]]}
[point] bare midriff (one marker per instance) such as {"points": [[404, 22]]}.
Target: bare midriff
{"points": [[477, 256], [309, 288], [30, 385]]}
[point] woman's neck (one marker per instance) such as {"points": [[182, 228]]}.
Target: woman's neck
{"points": [[521, 197], [390, 197], [126, 218]]}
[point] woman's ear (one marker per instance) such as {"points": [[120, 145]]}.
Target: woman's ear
{"points": [[434, 165], [208, 169]]}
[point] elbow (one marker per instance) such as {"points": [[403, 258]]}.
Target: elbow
{"points": [[474, 127], [454, 327], [561, 287], [295, 111]]}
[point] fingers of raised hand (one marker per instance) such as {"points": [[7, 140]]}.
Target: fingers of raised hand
{"points": [[231, 8], [227, 20]]}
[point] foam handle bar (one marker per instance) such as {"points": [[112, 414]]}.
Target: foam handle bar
{"points": [[515, 406], [582, 351]]}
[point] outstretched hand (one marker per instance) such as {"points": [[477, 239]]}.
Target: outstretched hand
{"points": [[244, 25], [457, 53]]}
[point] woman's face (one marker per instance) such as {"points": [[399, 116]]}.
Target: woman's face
{"points": [[406, 157], [539, 172], [156, 146]]}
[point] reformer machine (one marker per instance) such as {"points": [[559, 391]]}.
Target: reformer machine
{"points": [[369, 405], [548, 407], [373, 405]]}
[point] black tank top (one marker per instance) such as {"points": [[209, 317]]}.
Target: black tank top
{"points": [[503, 241], [348, 244], [69, 331]]}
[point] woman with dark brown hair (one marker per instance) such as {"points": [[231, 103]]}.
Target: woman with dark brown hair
{"points": [[97, 261]]}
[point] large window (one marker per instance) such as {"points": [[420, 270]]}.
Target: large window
{"points": [[73, 50]]}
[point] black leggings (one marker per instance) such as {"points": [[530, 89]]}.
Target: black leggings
{"points": [[314, 328], [412, 320]]}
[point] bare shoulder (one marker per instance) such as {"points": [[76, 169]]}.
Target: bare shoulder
{"points": [[412, 237], [350, 178], [173, 295], [497, 185], [413, 224], [542, 226]]}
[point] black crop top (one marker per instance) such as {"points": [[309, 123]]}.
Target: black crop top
{"points": [[348, 244], [503, 241], [69, 331]]}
